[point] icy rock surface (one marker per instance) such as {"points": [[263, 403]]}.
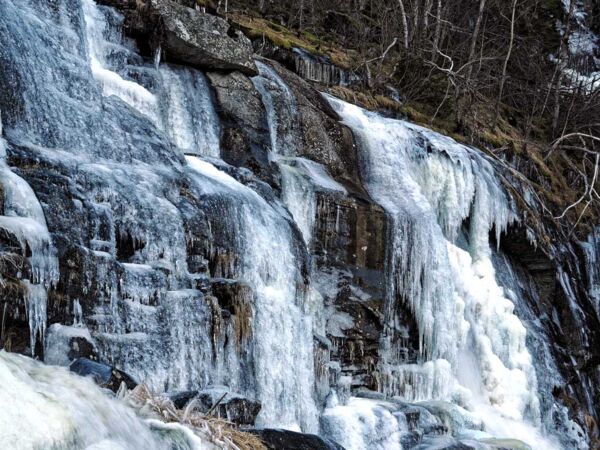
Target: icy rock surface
{"points": [[119, 126]]}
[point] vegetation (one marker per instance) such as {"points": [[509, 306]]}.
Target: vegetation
{"points": [[217, 431]]}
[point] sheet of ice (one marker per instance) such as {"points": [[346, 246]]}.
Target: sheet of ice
{"points": [[189, 116], [280, 105], [363, 424], [100, 48], [282, 331], [301, 178]]}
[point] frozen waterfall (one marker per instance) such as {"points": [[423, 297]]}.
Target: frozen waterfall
{"points": [[472, 345], [157, 222]]}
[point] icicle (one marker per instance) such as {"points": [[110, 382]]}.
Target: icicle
{"points": [[36, 303], [157, 57], [77, 313]]}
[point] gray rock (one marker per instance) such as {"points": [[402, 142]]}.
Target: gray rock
{"points": [[104, 375], [197, 39], [245, 140]]}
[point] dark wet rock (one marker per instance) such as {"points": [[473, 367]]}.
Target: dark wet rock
{"points": [[446, 443], [290, 440], [350, 231], [220, 402], [9, 242], [233, 295], [181, 399], [245, 140], [349, 247], [104, 375]]}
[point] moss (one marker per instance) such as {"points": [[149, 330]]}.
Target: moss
{"points": [[259, 28], [207, 3]]}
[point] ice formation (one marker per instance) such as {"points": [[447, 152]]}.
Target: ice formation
{"points": [[143, 140]]}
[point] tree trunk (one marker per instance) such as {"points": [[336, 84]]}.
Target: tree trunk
{"points": [[404, 23], [505, 66], [475, 37]]}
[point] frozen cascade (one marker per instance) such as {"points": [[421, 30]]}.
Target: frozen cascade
{"points": [[189, 115], [283, 347], [106, 53], [110, 119], [429, 185], [178, 101], [364, 424], [280, 105], [301, 178], [591, 248], [23, 217]]}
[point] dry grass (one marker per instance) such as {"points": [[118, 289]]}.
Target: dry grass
{"points": [[218, 431]]}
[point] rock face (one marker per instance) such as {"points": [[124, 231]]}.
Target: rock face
{"points": [[349, 247], [245, 138]]}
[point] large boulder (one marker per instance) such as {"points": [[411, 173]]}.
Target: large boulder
{"points": [[202, 40], [185, 35], [191, 37]]}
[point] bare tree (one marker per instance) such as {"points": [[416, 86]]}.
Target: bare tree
{"points": [[511, 41]]}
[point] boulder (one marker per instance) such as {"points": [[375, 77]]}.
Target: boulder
{"points": [[104, 375], [220, 402], [191, 37], [290, 440], [185, 35]]}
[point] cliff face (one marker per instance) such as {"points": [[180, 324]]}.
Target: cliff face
{"points": [[196, 215]]}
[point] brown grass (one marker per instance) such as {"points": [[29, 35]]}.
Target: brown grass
{"points": [[218, 431]]}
